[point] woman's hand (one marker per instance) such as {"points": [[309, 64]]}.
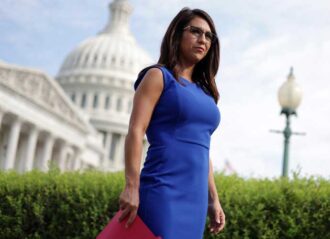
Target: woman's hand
{"points": [[217, 217], [129, 204]]}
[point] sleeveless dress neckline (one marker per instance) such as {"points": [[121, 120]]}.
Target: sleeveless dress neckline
{"points": [[188, 81]]}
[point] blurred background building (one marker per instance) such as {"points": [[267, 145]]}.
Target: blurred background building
{"points": [[79, 119]]}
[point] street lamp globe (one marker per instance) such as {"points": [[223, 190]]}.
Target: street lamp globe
{"points": [[289, 95]]}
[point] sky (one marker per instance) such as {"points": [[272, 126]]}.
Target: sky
{"points": [[260, 41]]}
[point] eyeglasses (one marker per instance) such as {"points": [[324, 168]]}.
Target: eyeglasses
{"points": [[198, 32]]}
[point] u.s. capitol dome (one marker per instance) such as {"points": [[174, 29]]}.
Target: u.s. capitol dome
{"points": [[98, 75]]}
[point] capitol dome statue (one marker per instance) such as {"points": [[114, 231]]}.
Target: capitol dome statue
{"points": [[98, 75]]}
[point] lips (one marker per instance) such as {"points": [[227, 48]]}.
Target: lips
{"points": [[200, 49]]}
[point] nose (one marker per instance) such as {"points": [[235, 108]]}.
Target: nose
{"points": [[202, 38]]}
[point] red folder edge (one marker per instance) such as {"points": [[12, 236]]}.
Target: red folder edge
{"points": [[117, 230]]}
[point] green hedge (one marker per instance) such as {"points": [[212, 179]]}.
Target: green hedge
{"points": [[79, 205]]}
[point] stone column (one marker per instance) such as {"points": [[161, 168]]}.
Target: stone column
{"points": [[78, 99], [123, 105], [113, 102], [120, 152], [107, 147], [77, 159], [47, 153], [15, 129], [102, 97], [2, 113], [129, 105], [31, 147], [69, 158], [82, 165], [90, 99], [62, 157]]}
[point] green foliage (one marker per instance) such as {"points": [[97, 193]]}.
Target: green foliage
{"points": [[298, 208], [78, 205], [54, 205]]}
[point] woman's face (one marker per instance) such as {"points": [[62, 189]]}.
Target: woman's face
{"points": [[194, 46]]}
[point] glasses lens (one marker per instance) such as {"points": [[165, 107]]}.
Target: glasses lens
{"points": [[196, 31], [209, 36], [213, 37]]}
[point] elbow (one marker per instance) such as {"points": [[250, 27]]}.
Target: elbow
{"points": [[136, 132]]}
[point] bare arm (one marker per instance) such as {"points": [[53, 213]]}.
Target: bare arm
{"points": [[145, 99], [215, 211], [213, 193]]}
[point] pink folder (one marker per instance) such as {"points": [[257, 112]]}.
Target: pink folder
{"points": [[117, 230]]}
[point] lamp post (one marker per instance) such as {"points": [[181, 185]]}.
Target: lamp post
{"points": [[289, 97]]}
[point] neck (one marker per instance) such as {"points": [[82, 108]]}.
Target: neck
{"points": [[186, 70]]}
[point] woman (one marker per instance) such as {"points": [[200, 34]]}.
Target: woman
{"points": [[175, 105]]}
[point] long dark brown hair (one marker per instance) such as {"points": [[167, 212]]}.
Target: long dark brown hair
{"points": [[206, 69]]}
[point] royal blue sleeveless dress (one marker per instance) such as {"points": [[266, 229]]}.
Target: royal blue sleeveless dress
{"points": [[174, 177]]}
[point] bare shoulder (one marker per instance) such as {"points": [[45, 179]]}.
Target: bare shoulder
{"points": [[152, 80], [155, 71]]}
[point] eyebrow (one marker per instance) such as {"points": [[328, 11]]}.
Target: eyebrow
{"points": [[202, 29]]}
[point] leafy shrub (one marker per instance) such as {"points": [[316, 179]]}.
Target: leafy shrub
{"points": [[78, 205]]}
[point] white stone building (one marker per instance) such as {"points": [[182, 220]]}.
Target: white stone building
{"points": [[80, 119], [39, 124]]}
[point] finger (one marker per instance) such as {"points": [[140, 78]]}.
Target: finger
{"points": [[123, 214], [123, 206], [220, 221], [223, 221], [222, 226], [214, 227], [214, 224], [216, 230], [219, 227], [131, 218]]}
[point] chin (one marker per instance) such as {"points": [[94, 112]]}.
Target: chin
{"points": [[197, 59]]}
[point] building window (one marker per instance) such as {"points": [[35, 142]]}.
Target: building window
{"points": [[119, 104], [95, 101], [107, 102], [114, 146], [83, 100], [73, 97], [104, 136]]}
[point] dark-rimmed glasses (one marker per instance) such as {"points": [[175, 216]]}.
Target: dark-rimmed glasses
{"points": [[198, 32]]}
